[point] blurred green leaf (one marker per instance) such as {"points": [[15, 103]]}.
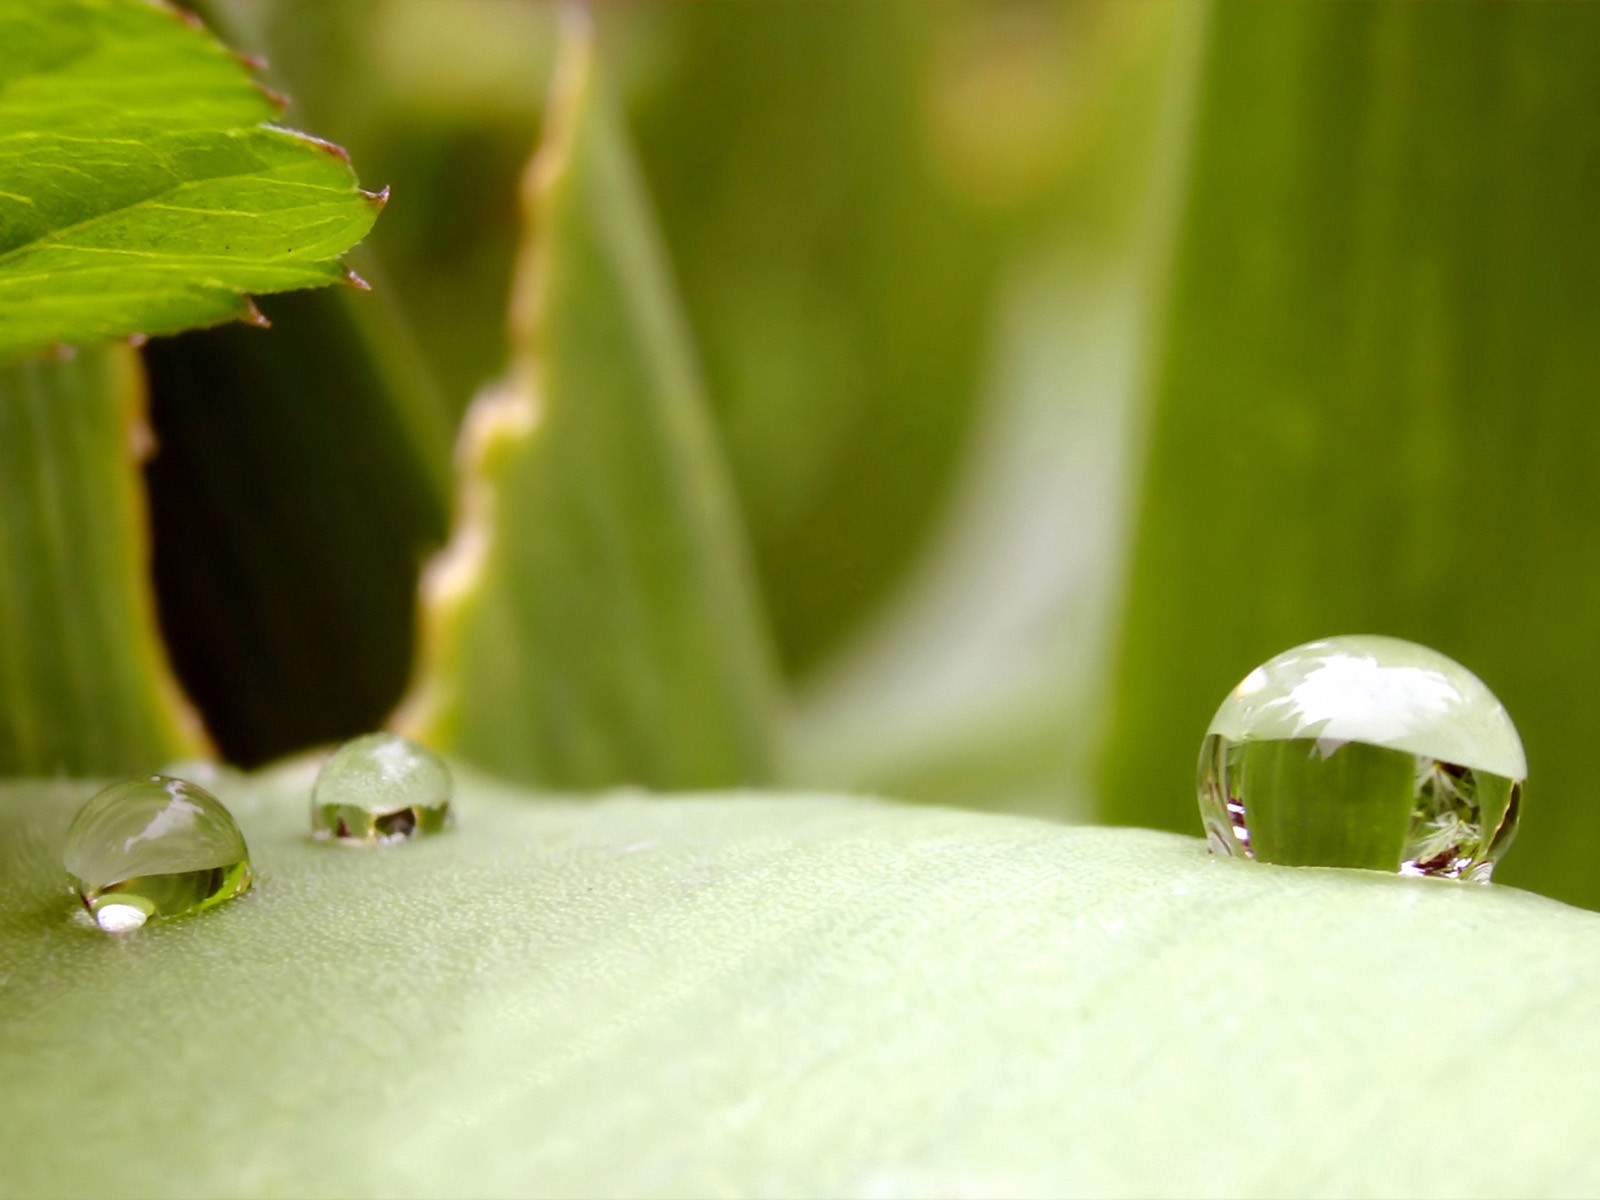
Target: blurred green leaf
{"points": [[980, 682], [301, 479], [840, 287], [1375, 412], [84, 683], [592, 621], [785, 995], [145, 190]]}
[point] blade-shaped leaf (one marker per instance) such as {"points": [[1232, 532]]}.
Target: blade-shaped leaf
{"points": [[789, 995], [142, 186], [1375, 413], [84, 683], [592, 621]]}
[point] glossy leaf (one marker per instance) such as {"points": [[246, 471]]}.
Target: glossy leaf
{"points": [[785, 994], [84, 682], [145, 189], [592, 621], [1375, 409]]}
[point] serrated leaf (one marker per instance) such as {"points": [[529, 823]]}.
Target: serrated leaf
{"points": [[441, 102], [143, 188], [592, 621], [1375, 409], [786, 995], [84, 682]]}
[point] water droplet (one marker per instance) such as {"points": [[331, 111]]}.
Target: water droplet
{"points": [[1363, 752], [154, 847], [381, 788]]}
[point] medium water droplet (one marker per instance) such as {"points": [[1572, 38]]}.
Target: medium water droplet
{"points": [[154, 847], [1363, 752], [381, 788]]}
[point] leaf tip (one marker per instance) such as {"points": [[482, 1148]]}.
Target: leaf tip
{"points": [[281, 102], [253, 315], [377, 199], [327, 147]]}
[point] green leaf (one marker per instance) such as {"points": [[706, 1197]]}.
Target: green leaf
{"points": [[981, 682], [1374, 411], [441, 102], [145, 190], [592, 621], [84, 683], [786, 995], [841, 289]]}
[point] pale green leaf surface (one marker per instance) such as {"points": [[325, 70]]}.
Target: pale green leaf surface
{"points": [[593, 620], [142, 186], [788, 995], [84, 682]]}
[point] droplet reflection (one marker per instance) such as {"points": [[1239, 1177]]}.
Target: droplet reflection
{"points": [[1363, 752], [380, 789], [152, 848]]}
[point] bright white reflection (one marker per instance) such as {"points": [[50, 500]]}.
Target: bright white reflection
{"points": [[1399, 699], [119, 918]]}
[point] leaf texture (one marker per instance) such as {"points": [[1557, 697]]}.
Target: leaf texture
{"points": [[786, 995]]}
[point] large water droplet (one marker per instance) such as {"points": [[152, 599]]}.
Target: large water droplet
{"points": [[381, 788], [154, 847], [1363, 752]]}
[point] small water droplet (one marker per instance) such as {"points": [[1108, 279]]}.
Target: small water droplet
{"points": [[151, 848], [1363, 752], [381, 788]]}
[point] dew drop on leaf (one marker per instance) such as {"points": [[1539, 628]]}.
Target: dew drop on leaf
{"points": [[1363, 752], [154, 847], [381, 788]]}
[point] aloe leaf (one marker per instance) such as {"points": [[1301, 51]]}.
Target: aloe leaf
{"points": [[1373, 410], [784, 994], [146, 189], [592, 621], [84, 682]]}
